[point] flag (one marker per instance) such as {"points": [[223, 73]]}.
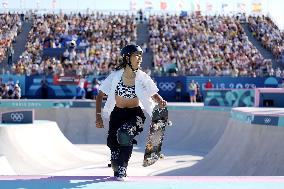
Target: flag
{"points": [[133, 5], [209, 6], [197, 7], [241, 7], [5, 4], [53, 4], [224, 5], [37, 4], [148, 4], [163, 5], [21, 3], [180, 5], [256, 7]]}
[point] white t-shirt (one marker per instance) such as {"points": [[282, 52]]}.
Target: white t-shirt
{"points": [[145, 88]]}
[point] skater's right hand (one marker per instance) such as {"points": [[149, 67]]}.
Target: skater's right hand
{"points": [[99, 121]]}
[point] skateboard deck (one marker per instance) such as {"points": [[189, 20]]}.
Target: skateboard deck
{"points": [[155, 136]]}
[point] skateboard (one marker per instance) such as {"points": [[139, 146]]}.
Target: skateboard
{"points": [[155, 136]]}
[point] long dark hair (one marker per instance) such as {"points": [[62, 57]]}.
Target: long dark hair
{"points": [[122, 63]]}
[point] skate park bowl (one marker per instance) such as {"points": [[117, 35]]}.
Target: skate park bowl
{"points": [[203, 141]]}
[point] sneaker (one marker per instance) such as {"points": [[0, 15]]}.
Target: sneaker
{"points": [[119, 178], [122, 176]]}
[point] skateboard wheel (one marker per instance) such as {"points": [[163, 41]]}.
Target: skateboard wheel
{"points": [[170, 123], [156, 127], [162, 156]]}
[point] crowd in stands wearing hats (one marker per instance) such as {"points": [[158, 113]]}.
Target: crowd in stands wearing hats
{"points": [[101, 35], [9, 89], [204, 46], [266, 31], [10, 27], [182, 45]]}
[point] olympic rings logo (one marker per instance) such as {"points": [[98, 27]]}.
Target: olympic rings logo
{"points": [[267, 120], [167, 86], [17, 117]]}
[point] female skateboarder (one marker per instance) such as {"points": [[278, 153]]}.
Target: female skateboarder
{"points": [[128, 89]]}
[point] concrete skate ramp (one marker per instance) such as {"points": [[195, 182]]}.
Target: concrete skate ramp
{"points": [[77, 124], [193, 131], [248, 143], [5, 167], [245, 148], [195, 128], [40, 148]]}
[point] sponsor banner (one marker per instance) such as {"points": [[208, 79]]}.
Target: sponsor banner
{"points": [[231, 98], [34, 88], [242, 116], [281, 121], [54, 89], [167, 85], [58, 52], [256, 119], [18, 117], [265, 120], [66, 80], [38, 104], [65, 87]]}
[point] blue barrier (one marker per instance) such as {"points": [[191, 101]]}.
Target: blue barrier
{"points": [[229, 97], [33, 88], [30, 85], [58, 52], [167, 85], [42, 104]]}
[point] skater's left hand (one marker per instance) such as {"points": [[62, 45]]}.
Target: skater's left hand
{"points": [[163, 104], [158, 99]]}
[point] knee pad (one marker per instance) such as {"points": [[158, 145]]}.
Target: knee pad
{"points": [[124, 137]]}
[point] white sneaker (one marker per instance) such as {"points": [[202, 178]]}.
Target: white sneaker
{"points": [[122, 178]]}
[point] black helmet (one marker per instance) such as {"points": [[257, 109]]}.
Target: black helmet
{"points": [[130, 49]]}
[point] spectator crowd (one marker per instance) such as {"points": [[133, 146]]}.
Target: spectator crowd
{"points": [[100, 36], [9, 89], [193, 45], [266, 31], [10, 27], [204, 46]]}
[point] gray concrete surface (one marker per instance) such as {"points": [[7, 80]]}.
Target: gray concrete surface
{"points": [[200, 142], [244, 149]]}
